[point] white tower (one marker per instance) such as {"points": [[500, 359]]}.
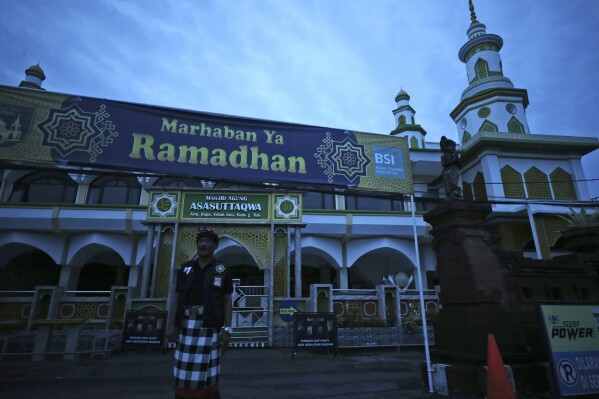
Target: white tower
{"points": [[490, 103], [405, 123]]}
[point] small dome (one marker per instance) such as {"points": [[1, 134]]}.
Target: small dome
{"points": [[402, 95], [36, 70]]}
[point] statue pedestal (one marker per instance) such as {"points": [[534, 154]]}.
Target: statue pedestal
{"points": [[473, 297]]}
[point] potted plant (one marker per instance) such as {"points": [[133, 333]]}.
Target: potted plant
{"points": [[582, 231]]}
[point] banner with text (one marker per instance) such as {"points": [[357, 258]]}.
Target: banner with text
{"points": [[225, 206], [51, 128], [573, 335]]}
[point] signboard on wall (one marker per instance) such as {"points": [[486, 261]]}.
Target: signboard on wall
{"points": [[41, 127], [572, 333], [144, 328], [235, 207]]}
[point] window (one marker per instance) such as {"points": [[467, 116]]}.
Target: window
{"points": [[537, 185], [482, 69], [111, 190], [413, 142], [562, 183], [488, 127], [45, 187], [402, 119], [514, 126], [178, 182], [357, 203], [512, 182], [466, 137], [316, 200]]}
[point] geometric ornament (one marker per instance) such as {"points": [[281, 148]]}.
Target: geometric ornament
{"points": [[72, 129], [164, 205], [344, 158], [286, 207]]}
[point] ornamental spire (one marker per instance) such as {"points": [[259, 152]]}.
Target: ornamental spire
{"points": [[472, 13]]}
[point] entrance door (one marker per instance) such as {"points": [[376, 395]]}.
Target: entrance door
{"points": [[250, 315]]}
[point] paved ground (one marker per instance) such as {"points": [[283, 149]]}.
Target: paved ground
{"points": [[246, 373]]}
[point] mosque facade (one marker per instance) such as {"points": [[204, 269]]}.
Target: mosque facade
{"points": [[83, 225]]}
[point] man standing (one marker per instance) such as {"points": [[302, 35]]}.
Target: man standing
{"points": [[203, 309]]}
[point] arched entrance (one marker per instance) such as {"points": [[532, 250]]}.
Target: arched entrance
{"points": [[254, 229], [102, 271], [30, 268], [371, 268]]}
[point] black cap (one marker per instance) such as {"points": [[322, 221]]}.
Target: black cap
{"points": [[207, 232]]}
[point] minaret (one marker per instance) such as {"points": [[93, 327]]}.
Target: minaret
{"points": [[34, 76], [405, 123], [490, 103]]}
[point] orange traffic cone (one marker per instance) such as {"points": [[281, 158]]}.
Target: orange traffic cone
{"points": [[498, 383]]}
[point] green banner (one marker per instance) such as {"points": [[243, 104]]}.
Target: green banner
{"points": [[230, 207]]}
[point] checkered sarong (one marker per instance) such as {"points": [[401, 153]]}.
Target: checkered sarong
{"points": [[197, 359]]}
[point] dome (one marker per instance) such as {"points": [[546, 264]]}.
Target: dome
{"points": [[402, 95], [36, 70]]}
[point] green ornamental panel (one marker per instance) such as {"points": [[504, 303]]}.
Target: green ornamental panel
{"points": [[537, 184], [280, 276], [562, 183], [512, 182], [165, 251]]}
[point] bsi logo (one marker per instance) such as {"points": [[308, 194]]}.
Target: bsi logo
{"points": [[389, 162]]}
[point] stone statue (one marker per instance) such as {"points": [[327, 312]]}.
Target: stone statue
{"points": [[451, 169]]}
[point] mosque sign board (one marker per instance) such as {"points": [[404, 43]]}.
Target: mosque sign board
{"points": [[572, 333], [209, 206], [226, 206], [46, 128]]}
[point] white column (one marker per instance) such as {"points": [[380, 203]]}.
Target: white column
{"points": [[343, 278], [580, 185], [147, 262], [69, 277], [492, 174]]}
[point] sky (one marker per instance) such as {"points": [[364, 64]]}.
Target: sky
{"points": [[330, 63]]}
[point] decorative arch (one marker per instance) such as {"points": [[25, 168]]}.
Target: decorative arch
{"points": [[413, 142], [327, 249], [243, 263], [562, 184], [537, 185], [488, 126], [512, 182], [370, 268], [480, 189], [84, 247], [514, 126], [358, 248], [465, 137], [256, 239], [482, 69], [15, 243]]}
